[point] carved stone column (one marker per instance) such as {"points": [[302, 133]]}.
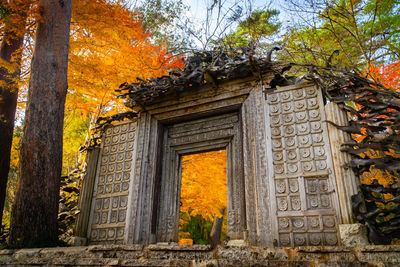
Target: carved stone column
{"points": [[85, 198], [256, 156], [346, 181]]}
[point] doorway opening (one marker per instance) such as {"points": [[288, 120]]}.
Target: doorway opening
{"points": [[203, 198]]}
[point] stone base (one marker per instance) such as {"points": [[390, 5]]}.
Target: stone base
{"points": [[353, 235], [198, 255], [237, 243]]}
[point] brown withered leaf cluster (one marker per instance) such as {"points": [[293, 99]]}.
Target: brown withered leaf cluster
{"points": [[375, 126], [205, 67]]}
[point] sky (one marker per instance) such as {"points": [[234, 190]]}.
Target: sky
{"points": [[197, 13], [197, 10], [198, 7]]}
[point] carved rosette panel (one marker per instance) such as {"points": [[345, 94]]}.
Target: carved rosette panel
{"points": [[314, 230], [110, 197], [302, 182]]}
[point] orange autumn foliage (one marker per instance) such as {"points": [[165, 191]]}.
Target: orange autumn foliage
{"points": [[204, 184], [383, 177], [18, 18], [109, 47], [15, 13], [185, 241], [16, 146], [387, 75]]}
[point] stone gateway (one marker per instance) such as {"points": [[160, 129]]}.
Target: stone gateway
{"points": [[284, 169]]}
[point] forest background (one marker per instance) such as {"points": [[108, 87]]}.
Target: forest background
{"points": [[116, 41]]}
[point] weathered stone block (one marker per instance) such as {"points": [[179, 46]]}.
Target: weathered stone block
{"points": [[378, 253], [237, 243], [116, 251], [23, 254], [325, 253], [195, 252], [353, 235]]}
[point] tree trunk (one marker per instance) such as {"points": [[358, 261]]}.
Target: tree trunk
{"points": [[34, 214], [8, 105], [215, 235], [10, 51]]}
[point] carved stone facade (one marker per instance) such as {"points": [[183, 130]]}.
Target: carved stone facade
{"points": [[111, 189], [304, 183], [281, 187]]}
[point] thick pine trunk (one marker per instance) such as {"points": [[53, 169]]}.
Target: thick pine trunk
{"points": [[34, 214], [8, 105]]}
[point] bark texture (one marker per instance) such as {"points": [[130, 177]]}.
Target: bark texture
{"points": [[8, 104], [215, 235], [10, 52], [34, 214]]}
